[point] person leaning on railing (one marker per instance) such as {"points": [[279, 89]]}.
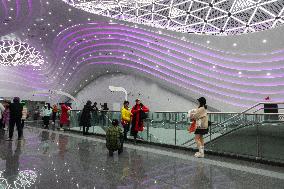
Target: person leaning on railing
{"points": [[200, 115]]}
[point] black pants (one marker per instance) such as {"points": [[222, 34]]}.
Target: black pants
{"points": [[12, 123], [85, 129], [46, 121], [23, 123], [53, 117], [1, 124], [125, 130]]}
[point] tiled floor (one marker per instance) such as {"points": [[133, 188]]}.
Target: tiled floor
{"points": [[47, 159]]}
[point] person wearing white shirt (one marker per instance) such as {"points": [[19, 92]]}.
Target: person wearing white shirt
{"points": [[45, 113]]}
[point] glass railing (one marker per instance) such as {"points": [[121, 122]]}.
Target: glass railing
{"points": [[244, 134], [249, 133]]}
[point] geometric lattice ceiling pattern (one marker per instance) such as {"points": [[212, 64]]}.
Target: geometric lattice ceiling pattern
{"points": [[217, 17], [15, 53]]}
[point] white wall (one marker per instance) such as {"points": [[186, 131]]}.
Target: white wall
{"points": [[152, 95]]}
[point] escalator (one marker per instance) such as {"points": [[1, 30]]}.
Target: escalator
{"points": [[246, 119], [263, 140]]}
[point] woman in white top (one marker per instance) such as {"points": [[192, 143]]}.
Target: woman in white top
{"points": [[200, 115], [45, 113]]}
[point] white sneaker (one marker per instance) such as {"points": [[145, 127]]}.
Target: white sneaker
{"points": [[199, 155], [196, 154], [61, 129]]}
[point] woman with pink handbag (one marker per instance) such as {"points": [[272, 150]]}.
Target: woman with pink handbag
{"points": [[201, 119]]}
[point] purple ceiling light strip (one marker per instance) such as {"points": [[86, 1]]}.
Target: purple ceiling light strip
{"points": [[136, 31], [211, 87], [206, 67], [173, 69], [199, 64], [18, 8], [189, 69], [201, 57]]}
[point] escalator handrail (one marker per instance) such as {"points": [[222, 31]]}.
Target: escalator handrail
{"points": [[238, 114]]}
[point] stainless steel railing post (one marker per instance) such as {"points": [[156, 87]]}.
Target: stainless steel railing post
{"points": [[176, 129]]}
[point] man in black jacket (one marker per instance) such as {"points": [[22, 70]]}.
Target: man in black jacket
{"points": [[15, 118]]}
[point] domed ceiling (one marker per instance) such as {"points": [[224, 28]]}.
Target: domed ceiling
{"points": [[51, 45], [217, 17]]}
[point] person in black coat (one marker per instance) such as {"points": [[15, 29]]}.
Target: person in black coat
{"points": [[15, 118], [85, 120]]}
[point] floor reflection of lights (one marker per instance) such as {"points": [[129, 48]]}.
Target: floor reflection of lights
{"points": [[24, 179]]}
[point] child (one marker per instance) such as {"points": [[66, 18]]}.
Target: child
{"points": [[114, 138]]}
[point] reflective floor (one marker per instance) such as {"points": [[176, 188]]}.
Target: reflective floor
{"points": [[47, 159]]}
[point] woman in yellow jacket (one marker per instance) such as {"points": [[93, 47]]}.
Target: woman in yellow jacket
{"points": [[126, 118]]}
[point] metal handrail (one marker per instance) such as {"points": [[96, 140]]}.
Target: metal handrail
{"points": [[241, 113]]}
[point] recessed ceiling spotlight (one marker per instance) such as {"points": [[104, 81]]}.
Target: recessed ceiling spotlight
{"points": [[240, 73], [264, 41], [213, 67], [207, 42], [234, 44], [268, 74]]}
